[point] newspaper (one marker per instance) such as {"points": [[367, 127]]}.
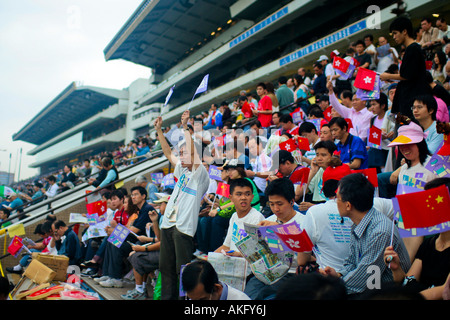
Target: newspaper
{"points": [[77, 218], [265, 265], [231, 270]]}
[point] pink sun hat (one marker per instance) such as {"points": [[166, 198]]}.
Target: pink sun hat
{"points": [[409, 134]]}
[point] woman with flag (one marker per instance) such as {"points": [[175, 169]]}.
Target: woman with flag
{"points": [[430, 270], [413, 173]]}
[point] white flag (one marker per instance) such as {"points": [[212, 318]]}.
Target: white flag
{"points": [[169, 95], [203, 85]]}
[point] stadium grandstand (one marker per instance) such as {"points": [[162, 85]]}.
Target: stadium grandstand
{"points": [[238, 43]]}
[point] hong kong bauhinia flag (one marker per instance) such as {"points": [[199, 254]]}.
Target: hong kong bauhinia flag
{"points": [[98, 207], [425, 208], [375, 137], [299, 242], [288, 145], [342, 67], [365, 79]]}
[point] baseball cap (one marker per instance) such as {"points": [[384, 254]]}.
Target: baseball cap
{"points": [[322, 57], [233, 163], [165, 198], [409, 134]]}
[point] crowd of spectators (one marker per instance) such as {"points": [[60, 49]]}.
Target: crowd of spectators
{"points": [[350, 225]]}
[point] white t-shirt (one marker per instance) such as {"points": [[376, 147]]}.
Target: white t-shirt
{"points": [[329, 232], [185, 199], [236, 230]]}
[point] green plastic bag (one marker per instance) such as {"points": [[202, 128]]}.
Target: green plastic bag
{"points": [[157, 288]]}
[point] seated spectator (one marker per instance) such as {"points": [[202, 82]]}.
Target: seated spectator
{"points": [[108, 175], [52, 187], [37, 247], [112, 263], [142, 149], [413, 146], [201, 282], [145, 256], [424, 111], [70, 246], [320, 82], [15, 203], [68, 180], [378, 156], [431, 267], [4, 215], [151, 188], [241, 194], [260, 162], [280, 195], [364, 59], [325, 133], [309, 131], [352, 148], [371, 233], [288, 125], [322, 160]]}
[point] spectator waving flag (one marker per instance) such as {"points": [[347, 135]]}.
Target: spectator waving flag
{"points": [[343, 68], [425, 208], [365, 79]]}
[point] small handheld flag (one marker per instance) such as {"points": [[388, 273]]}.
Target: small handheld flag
{"points": [[201, 88]]}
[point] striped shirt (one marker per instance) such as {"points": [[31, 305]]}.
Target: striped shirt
{"points": [[368, 241]]}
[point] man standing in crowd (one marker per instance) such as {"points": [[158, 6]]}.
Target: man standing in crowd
{"points": [[181, 215]]}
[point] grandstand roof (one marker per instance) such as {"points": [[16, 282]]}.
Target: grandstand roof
{"points": [[72, 106], [159, 33]]}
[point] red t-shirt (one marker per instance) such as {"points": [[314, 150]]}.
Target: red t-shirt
{"points": [[265, 104], [121, 217]]}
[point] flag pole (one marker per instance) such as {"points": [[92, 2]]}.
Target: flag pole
{"points": [[392, 238]]}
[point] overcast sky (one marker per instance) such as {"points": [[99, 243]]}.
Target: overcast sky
{"points": [[47, 44]]}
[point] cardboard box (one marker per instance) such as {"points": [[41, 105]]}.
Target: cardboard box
{"points": [[58, 264], [39, 273]]}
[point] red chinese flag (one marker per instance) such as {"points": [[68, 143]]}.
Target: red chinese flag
{"points": [[327, 114], [300, 175], [340, 64], [375, 136], [303, 144], [428, 65], [370, 174], [98, 207], [445, 149], [247, 110], [425, 208], [365, 79], [15, 246], [288, 145], [299, 242], [223, 189]]}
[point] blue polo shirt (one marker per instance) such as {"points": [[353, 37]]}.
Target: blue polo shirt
{"points": [[353, 148]]}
